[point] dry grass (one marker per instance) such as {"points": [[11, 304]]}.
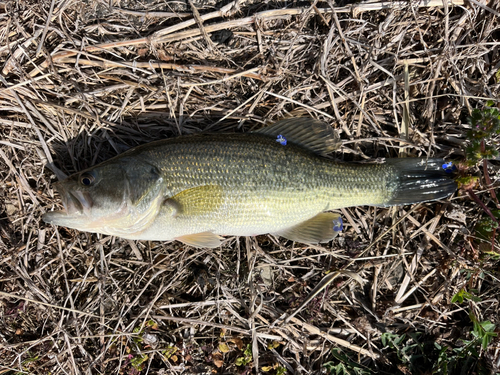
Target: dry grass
{"points": [[84, 80]]}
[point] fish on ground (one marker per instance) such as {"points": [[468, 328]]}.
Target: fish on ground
{"points": [[276, 180]]}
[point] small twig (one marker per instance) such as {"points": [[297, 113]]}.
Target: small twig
{"points": [[163, 65], [493, 236], [300, 104], [316, 331], [45, 29], [489, 183], [199, 22], [151, 14], [476, 199], [79, 312], [243, 331], [485, 7]]}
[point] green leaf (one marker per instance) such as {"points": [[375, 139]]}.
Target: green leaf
{"points": [[463, 295], [239, 361], [487, 326], [247, 358], [458, 298], [138, 361]]}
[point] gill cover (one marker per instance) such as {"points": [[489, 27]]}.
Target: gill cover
{"points": [[142, 199]]}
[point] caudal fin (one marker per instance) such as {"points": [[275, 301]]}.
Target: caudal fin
{"points": [[420, 180]]}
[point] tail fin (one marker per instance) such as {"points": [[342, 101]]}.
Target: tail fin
{"points": [[420, 180]]}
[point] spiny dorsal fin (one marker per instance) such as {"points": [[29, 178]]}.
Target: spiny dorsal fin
{"points": [[321, 228], [307, 132]]}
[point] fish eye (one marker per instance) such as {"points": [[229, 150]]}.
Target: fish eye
{"points": [[86, 179]]}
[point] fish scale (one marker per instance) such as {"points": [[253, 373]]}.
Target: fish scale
{"points": [[265, 186]]}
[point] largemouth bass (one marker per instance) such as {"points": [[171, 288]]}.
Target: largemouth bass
{"points": [[277, 180]]}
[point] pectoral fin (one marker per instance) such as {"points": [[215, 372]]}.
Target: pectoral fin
{"points": [[196, 201], [201, 240], [321, 228]]}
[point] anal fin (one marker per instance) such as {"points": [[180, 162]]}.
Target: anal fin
{"points": [[201, 240], [321, 228]]}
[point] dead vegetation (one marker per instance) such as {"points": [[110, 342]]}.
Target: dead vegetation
{"points": [[84, 80]]}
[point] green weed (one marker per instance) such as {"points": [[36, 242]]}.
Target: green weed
{"points": [[485, 124], [463, 295], [246, 358], [343, 365]]}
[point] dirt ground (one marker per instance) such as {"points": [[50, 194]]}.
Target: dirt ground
{"points": [[402, 290]]}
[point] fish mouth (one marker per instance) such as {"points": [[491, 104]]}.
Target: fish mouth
{"points": [[76, 204]]}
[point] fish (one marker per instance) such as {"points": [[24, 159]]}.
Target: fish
{"points": [[278, 180]]}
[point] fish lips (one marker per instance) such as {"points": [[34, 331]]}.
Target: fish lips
{"points": [[77, 204]]}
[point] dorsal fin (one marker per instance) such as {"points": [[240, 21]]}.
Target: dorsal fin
{"points": [[315, 135]]}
